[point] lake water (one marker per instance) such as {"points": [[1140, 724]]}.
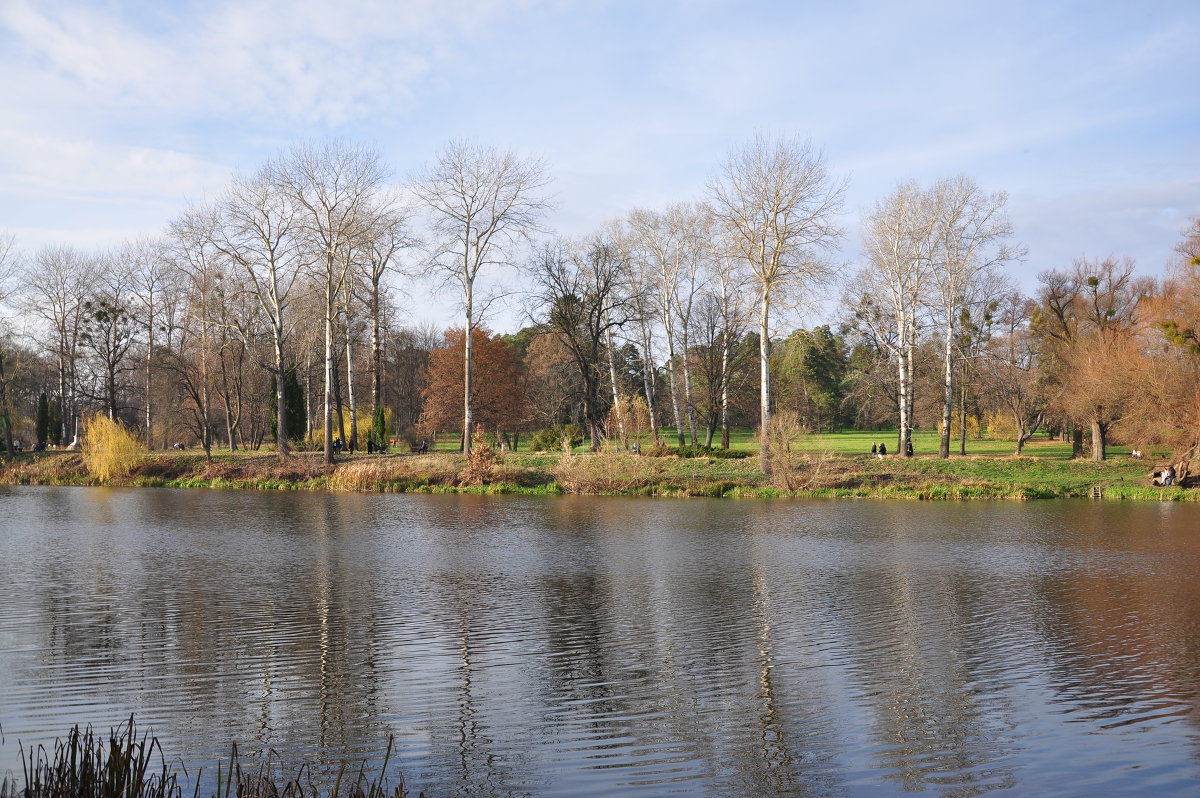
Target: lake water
{"points": [[590, 646]]}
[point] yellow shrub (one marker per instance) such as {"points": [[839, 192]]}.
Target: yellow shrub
{"points": [[109, 450], [365, 418], [973, 431], [1000, 427]]}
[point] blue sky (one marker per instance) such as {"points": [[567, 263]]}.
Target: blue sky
{"points": [[1087, 114]]}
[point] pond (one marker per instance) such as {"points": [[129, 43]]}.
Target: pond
{"points": [[588, 646]]}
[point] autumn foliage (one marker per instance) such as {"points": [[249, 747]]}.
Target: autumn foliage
{"points": [[498, 393]]}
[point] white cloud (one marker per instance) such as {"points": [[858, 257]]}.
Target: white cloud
{"points": [[62, 167], [302, 61]]}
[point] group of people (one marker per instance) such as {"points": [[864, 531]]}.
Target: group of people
{"points": [[880, 450]]}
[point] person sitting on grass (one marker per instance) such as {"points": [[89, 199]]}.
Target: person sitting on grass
{"points": [[883, 450]]}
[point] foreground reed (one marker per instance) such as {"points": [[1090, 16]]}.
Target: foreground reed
{"points": [[86, 765]]}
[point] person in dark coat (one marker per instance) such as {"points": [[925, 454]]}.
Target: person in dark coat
{"points": [[883, 450], [874, 449]]}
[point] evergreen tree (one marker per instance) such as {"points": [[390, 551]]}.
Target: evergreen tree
{"points": [[54, 411], [42, 423], [293, 402], [379, 427]]}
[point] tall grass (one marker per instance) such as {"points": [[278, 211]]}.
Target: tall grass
{"points": [[109, 450], [86, 765]]}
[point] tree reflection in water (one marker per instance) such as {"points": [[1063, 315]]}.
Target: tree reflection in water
{"points": [[582, 646]]}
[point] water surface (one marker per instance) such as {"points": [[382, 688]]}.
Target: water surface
{"points": [[583, 646]]}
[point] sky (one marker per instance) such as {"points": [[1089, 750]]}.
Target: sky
{"points": [[117, 115]]}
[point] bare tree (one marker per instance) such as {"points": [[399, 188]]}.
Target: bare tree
{"points": [[1012, 375], [201, 264], [972, 228], [778, 204], [643, 295], [8, 268], [724, 314], [60, 278], [659, 247], [255, 227], [900, 236], [483, 201], [1087, 321], [333, 187], [580, 289], [153, 276], [108, 331], [387, 237]]}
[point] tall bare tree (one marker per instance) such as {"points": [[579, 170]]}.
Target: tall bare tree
{"points": [[8, 268], [900, 236], [660, 247], [387, 238], [972, 228], [778, 205], [153, 277], [725, 313], [333, 186], [483, 201], [254, 225], [60, 278]]}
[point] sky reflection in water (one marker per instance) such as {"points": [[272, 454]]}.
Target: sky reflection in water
{"points": [[578, 646]]}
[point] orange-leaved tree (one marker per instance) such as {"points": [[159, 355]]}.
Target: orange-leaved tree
{"points": [[497, 387], [1167, 406]]}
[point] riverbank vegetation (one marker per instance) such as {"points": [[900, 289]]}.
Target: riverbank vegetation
{"points": [[270, 319], [820, 466], [126, 765]]}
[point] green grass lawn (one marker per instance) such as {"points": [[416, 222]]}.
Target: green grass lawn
{"points": [[858, 442]]}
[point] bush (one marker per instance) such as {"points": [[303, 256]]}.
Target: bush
{"points": [[700, 451], [481, 461], [109, 450], [1001, 427], [563, 436]]}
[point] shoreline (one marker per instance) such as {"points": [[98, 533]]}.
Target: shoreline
{"points": [[806, 475]]}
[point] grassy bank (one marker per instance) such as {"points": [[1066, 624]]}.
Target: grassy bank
{"points": [[820, 470]]}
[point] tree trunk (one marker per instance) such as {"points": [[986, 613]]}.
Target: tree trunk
{"points": [[688, 405], [205, 416], [467, 347], [902, 368], [764, 382], [280, 404], [948, 394], [672, 384], [308, 400], [612, 376], [1076, 443], [6, 415], [352, 441], [724, 390], [962, 416], [149, 375], [376, 352], [328, 458], [1099, 440], [648, 382]]}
